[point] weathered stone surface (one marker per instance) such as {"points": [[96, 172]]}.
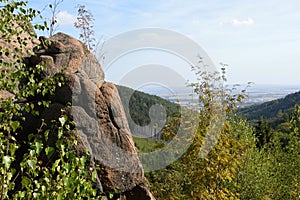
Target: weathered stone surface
{"points": [[10, 42], [5, 95], [103, 128], [71, 55], [13, 43]]}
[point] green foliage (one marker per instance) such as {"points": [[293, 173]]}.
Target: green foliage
{"points": [[146, 145], [273, 172], [246, 162], [215, 175], [263, 133], [212, 177], [63, 175], [44, 164], [15, 22]]}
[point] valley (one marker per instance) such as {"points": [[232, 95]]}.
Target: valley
{"points": [[257, 94]]}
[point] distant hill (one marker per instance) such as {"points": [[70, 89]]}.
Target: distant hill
{"points": [[276, 111], [137, 105]]}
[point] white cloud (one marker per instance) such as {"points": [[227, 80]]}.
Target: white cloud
{"points": [[64, 18], [248, 22]]}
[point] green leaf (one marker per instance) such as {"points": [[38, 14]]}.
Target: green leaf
{"points": [[94, 176], [49, 151], [22, 194], [59, 197], [6, 160], [63, 120], [60, 132], [35, 195], [55, 165], [39, 147], [15, 125], [31, 163], [83, 160], [25, 182], [67, 181]]}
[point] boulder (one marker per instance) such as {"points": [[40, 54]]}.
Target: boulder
{"points": [[11, 43], [98, 115], [65, 53]]}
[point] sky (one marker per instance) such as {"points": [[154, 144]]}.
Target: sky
{"points": [[258, 39]]}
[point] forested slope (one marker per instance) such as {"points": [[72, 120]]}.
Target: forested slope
{"points": [[137, 106], [276, 111]]}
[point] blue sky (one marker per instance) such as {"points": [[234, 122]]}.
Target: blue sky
{"points": [[259, 40]]}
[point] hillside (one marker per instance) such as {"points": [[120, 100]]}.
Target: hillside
{"points": [[275, 111], [137, 106]]}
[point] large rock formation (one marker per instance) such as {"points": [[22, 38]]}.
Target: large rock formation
{"points": [[98, 114]]}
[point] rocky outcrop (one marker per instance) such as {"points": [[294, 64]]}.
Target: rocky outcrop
{"points": [[12, 42], [9, 41], [98, 114]]}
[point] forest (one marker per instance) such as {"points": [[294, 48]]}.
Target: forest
{"points": [[257, 154]]}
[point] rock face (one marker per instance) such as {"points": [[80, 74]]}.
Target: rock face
{"points": [[98, 114], [11, 43]]}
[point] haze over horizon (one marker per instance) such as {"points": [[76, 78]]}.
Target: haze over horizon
{"points": [[259, 40]]}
